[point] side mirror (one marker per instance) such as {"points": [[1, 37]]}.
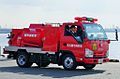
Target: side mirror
{"points": [[116, 35]]}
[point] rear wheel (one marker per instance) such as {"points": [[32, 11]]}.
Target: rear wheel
{"points": [[23, 59], [69, 62], [89, 66]]}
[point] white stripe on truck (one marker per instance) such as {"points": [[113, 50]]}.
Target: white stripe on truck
{"points": [[28, 49]]}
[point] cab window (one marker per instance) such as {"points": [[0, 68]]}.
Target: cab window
{"points": [[74, 31]]}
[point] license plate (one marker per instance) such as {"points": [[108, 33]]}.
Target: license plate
{"points": [[100, 61]]}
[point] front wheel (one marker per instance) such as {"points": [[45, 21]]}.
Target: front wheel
{"points": [[89, 66], [69, 62], [23, 59]]}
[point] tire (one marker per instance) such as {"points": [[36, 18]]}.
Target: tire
{"points": [[23, 59], [44, 64], [69, 62], [89, 66]]}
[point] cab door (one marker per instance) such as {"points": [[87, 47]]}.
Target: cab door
{"points": [[69, 42]]}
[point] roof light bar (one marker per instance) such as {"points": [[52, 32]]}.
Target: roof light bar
{"points": [[81, 19]]}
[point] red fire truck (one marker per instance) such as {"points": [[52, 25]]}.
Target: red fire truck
{"points": [[55, 43]]}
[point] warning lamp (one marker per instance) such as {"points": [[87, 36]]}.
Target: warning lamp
{"points": [[89, 19], [95, 19], [81, 19]]}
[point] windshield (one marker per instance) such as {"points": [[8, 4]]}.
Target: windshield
{"points": [[95, 32]]}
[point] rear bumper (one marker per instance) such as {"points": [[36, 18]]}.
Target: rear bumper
{"points": [[95, 61]]}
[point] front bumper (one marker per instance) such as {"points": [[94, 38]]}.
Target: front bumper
{"points": [[95, 61]]}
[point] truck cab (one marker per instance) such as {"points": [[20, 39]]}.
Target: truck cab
{"points": [[90, 46]]}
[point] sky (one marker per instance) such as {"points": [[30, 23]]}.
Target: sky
{"points": [[21, 13]]}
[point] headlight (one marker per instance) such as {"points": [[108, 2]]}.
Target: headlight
{"points": [[88, 53]]}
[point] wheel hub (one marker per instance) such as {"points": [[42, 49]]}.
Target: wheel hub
{"points": [[21, 60], [68, 62]]}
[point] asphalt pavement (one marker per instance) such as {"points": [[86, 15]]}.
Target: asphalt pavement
{"points": [[10, 70]]}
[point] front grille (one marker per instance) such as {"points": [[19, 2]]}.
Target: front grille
{"points": [[99, 56]]}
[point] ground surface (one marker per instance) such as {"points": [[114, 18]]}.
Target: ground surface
{"points": [[9, 70]]}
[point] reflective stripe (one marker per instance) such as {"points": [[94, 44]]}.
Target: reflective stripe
{"points": [[28, 49]]}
